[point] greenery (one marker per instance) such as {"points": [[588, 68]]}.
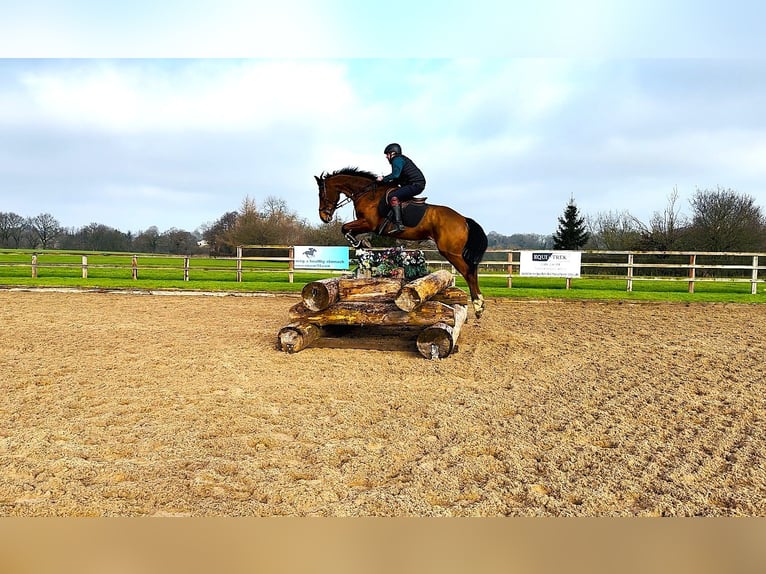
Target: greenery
{"points": [[571, 233], [721, 219], [386, 263], [113, 271]]}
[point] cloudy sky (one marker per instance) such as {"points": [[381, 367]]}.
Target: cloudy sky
{"points": [[170, 114]]}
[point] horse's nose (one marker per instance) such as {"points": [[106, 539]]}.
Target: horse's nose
{"points": [[324, 216]]}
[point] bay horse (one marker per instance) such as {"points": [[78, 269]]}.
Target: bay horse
{"points": [[459, 239]]}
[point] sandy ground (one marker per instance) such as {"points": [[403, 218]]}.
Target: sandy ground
{"points": [[153, 405]]}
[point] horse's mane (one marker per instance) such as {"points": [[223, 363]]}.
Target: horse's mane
{"points": [[353, 171]]}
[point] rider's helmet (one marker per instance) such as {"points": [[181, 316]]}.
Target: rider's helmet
{"points": [[394, 148]]}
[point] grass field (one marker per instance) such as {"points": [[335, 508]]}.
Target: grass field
{"points": [[114, 271]]}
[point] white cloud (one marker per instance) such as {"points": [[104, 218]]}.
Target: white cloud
{"points": [[153, 194], [205, 95], [146, 29], [507, 140]]}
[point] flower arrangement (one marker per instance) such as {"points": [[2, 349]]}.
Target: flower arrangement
{"points": [[388, 262]]}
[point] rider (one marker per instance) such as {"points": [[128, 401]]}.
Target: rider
{"points": [[409, 177]]}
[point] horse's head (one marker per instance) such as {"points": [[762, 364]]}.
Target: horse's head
{"points": [[328, 198], [349, 181]]}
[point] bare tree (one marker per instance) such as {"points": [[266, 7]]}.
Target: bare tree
{"points": [[12, 227], [177, 241], [725, 220], [45, 228], [147, 241], [668, 228], [615, 231], [275, 207]]}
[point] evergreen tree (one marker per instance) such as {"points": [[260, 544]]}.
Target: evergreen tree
{"points": [[571, 233]]}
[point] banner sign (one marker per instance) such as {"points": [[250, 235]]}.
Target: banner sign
{"points": [[320, 257], [550, 264]]}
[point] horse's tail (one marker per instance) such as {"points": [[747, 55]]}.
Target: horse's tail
{"points": [[475, 245]]}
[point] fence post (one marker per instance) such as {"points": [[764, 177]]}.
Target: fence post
{"points": [[510, 269], [630, 272], [692, 272], [186, 268], [239, 264], [291, 264], [84, 266], [134, 266], [34, 266], [754, 276]]}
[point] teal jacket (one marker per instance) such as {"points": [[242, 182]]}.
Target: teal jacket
{"points": [[405, 172]]}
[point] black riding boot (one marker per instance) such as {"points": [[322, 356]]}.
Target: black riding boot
{"points": [[398, 225]]}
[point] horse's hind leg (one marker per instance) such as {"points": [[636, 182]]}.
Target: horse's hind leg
{"points": [[476, 297], [471, 276]]}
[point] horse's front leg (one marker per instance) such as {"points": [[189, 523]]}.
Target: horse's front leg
{"points": [[352, 229]]}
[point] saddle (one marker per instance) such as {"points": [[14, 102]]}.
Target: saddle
{"points": [[412, 212]]}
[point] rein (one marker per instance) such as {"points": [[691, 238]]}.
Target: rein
{"points": [[353, 196]]}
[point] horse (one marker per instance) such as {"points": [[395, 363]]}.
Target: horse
{"points": [[459, 239]]}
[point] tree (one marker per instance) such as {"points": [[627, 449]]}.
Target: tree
{"points": [[177, 242], [12, 227], [571, 233], [614, 231], [279, 225], [96, 237], [519, 241], [247, 230], [326, 233], [218, 235], [45, 228], [725, 220], [147, 241], [667, 229]]}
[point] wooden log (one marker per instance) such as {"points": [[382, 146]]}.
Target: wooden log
{"points": [[297, 336], [440, 340], [320, 294], [370, 289], [420, 290], [451, 296], [374, 313]]}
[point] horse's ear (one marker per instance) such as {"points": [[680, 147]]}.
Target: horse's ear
{"points": [[316, 178]]}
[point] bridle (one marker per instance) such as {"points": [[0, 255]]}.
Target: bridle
{"points": [[350, 197]]}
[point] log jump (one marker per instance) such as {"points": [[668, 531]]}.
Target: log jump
{"points": [[429, 303]]}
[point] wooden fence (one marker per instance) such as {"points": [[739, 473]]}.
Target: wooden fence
{"points": [[631, 266], [690, 267]]}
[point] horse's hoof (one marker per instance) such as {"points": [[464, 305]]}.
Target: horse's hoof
{"points": [[355, 243], [478, 307]]}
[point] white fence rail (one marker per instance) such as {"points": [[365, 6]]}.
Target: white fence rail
{"points": [[632, 266]]}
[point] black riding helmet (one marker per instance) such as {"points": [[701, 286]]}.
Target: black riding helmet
{"points": [[393, 148]]}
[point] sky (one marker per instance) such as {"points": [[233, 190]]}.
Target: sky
{"points": [[171, 114]]}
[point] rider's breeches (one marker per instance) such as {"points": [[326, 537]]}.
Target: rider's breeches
{"points": [[406, 192]]}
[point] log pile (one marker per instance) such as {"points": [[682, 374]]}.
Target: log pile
{"points": [[428, 303]]}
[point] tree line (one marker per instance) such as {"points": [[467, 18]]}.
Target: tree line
{"points": [[45, 232], [271, 224], [720, 220]]}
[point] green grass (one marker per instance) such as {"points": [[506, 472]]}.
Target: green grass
{"points": [[616, 289], [113, 271]]}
